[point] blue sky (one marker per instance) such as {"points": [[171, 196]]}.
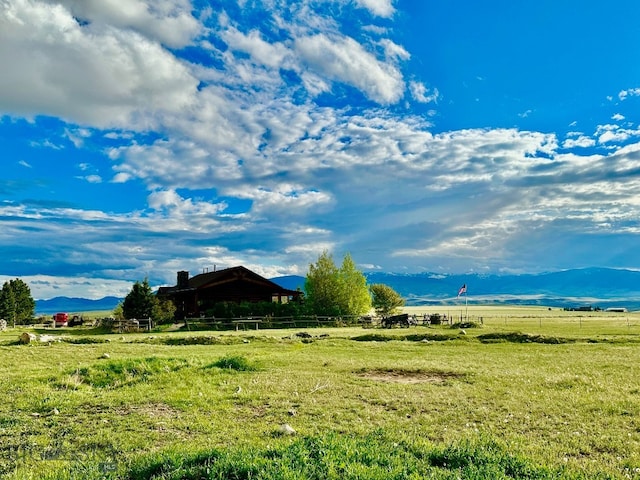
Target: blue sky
{"points": [[140, 138]]}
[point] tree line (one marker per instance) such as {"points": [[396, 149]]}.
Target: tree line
{"points": [[330, 290]]}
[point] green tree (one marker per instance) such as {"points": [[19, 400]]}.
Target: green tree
{"points": [[386, 300], [117, 312], [322, 286], [330, 290], [16, 303], [7, 304], [164, 310], [140, 301], [356, 299]]}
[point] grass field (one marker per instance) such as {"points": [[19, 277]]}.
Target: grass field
{"points": [[530, 393]]}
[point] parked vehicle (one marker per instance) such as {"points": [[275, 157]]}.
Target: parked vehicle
{"points": [[61, 319]]}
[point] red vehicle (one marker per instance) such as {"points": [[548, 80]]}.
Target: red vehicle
{"points": [[61, 319]]}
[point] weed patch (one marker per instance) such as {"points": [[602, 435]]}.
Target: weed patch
{"points": [[196, 340], [417, 337], [119, 373], [375, 337], [234, 362], [517, 337], [84, 340]]}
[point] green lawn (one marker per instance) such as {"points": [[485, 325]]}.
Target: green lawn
{"points": [[533, 393]]}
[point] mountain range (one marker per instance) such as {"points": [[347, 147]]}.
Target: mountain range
{"points": [[75, 305], [597, 287]]}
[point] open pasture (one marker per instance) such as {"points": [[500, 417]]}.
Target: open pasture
{"points": [[533, 393]]}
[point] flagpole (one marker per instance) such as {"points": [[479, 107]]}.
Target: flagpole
{"points": [[463, 290], [466, 307]]}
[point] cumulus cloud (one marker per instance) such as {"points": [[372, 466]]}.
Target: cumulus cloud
{"points": [[168, 21], [581, 141], [611, 133], [95, 74]]}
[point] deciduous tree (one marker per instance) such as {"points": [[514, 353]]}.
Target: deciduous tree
{"points": [[322, 286], [355, 293], [336, 291], [164, 310], [386, 300]]}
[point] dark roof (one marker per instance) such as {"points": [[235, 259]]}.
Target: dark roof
{"points": [[217, 277]]}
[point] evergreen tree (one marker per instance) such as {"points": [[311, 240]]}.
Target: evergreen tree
{"points": [[7, 304], [140, 301], [386, 300], [16, 303]]}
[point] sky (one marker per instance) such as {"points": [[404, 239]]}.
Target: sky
{"points": [[139, 138]]}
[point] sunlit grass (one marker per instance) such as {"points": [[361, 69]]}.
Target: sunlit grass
{"points": [[495, 402]]}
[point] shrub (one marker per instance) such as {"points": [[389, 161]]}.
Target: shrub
{"points": [[234, 362]]}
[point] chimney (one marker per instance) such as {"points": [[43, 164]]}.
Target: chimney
{"points": [[183, 279]]}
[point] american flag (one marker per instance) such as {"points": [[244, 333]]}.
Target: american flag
{"points": [[463, 289]]}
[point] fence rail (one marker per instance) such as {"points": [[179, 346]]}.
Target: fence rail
{"points": [[265, 322]]}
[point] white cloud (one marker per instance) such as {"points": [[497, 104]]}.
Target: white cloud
{"points": [[381, 8], [422, 94], [121, 177], [94, 74], [345, 60], [263, 52], [609, 133], [93, 178], [168, 21], [631, 92], [393, 51], [581, 141]]}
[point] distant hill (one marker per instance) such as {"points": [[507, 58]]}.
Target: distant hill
{"points": [[75, 305], [597, 287], [290, 282], [601, 287]]}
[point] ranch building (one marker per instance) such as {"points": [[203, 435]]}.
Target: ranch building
{"points": [[193, 296]]}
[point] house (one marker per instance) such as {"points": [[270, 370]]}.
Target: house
{"points": [[193, 296]]}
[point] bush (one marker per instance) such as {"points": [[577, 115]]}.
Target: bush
{"points": [[255, 309], [234, 362]]}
